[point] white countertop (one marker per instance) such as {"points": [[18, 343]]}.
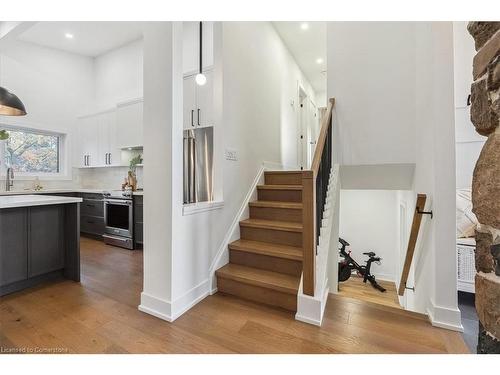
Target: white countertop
{"points": [[56, 191], [34, 200]]}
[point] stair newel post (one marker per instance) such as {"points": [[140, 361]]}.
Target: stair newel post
{"points": [[308, 233]]}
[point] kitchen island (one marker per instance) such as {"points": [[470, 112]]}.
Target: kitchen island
{"points": [[39, 240]]}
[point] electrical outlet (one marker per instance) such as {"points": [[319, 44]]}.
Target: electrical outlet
{"points": [[231, 154]]}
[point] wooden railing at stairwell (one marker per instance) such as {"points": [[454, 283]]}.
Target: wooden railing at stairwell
{"points": [[314, 189]]}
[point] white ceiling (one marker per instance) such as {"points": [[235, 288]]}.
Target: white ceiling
{"points": [[89, 38], [306, 46]]}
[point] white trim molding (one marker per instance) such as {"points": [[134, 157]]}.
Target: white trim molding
{"points": [[170, 311], [444, 317], [310, 309], [156, 306]]}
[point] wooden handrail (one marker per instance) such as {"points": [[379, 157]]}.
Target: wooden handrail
{"points": [[309, 207], [415, 228], [325, 124]]}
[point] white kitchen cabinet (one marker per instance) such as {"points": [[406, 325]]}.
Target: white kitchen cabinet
{"points": [[189, 105], [129, 124], [109, 151], [97, 140], [88, 141], [198, 102]]}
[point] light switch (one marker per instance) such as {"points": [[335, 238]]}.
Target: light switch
{"points": [[231, 154]]}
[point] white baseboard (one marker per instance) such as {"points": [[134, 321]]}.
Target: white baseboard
{"points": [[170, 311], [156, 306], [311, 309], [385, 277], [190, 298], [444, 317]]}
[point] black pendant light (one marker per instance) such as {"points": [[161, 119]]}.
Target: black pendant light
{"points": [[10, 104], [200, 77]]}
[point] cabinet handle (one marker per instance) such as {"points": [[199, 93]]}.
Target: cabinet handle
{"points": [[106, 159], [198, 117], [109, 158], [192, 117]]}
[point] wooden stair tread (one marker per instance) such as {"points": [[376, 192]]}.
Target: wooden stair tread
{"points": [[279, 187], [254, 276], [272, 224], [266, 248], [277, 204], [282, 172]]}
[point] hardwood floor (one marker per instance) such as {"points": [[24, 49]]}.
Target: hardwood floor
{"points": [[355, 288], [99, 315]]}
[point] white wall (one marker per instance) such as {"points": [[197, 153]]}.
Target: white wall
{"points": [[371, 73], [433, 272], [369, 222], [118, 75], [54, 86], [468, 142], [255, 117], [394, 86]]}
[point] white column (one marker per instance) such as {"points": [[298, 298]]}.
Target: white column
{"points": [[162, 117]]}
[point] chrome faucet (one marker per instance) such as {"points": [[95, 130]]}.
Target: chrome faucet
{"points": [[9, 180]]}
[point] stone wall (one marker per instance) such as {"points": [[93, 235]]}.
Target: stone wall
{"points": [[485, 113]]}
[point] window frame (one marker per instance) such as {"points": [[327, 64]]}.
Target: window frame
{"points": [[61, 153]]}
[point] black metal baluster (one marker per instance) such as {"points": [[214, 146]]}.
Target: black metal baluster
{"points": [[322, 180]]}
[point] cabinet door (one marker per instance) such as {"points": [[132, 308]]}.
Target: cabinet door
{"points": [[109, 153], [82, 141], [46, 240], [114, 157], [205, 101], [93, 144], [129, 124], [102, 140], [190, 109], [13, 245]]}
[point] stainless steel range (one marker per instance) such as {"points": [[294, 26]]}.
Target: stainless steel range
{"points": [[119, 218]]}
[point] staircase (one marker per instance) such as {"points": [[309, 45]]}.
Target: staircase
{"points": [[265, 264]]}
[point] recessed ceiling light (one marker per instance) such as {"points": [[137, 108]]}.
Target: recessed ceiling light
{"points": [[69, 36], [304, 26], [319, 60]]}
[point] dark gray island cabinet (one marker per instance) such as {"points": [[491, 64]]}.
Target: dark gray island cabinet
{"points": [[39, 240]]}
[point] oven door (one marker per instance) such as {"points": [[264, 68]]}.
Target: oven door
{"points": [[118, 217]]}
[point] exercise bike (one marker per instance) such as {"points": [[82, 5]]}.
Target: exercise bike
{"points": [[348, 264]]}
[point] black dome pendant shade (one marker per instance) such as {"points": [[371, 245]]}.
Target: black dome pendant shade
{"points": [[10, 104]]}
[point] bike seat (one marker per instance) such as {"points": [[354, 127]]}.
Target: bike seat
{"points": [[343, 242], [370, 254]]}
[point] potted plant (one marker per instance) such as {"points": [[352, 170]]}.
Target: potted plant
{"points": [[132, 177]]}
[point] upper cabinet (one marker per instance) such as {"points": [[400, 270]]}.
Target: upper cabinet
{"points": [[129, 124], [102, 136], [97, 140], [198, 102]]}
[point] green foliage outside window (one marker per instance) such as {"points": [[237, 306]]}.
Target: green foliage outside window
{"points": [[30, 152]]}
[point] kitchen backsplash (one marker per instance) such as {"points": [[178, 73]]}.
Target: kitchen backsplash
{"points": [[107, 178], [92, 178]]}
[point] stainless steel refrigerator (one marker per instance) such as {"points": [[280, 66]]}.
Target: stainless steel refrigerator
{"points": [[198, 165]]}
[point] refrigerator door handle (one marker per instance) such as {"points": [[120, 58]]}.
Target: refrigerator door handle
{"points": [[192, 117]]}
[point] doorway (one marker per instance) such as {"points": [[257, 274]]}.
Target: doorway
{"points": [[307, 129]]}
